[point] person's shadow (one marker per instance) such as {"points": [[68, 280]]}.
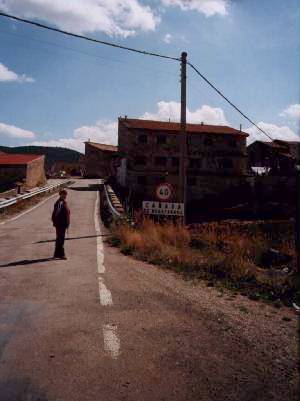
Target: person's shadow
{"points": [[27, 262]]}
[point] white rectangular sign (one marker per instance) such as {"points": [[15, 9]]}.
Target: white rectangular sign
{"points": [[163, 208]]}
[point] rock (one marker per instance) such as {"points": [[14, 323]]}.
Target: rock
{"points": [[273, 257], [254, 296], [278, 304]]}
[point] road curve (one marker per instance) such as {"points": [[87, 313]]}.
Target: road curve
{"points": [[103, 327]]}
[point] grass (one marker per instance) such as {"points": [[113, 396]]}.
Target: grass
{"points": [[223, 253]]}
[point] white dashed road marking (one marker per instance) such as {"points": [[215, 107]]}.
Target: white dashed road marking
{"points": [[112, 343], [111, 340], [104, 294]]}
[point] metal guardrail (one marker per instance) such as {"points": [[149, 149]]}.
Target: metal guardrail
{"points": [[115, 214], [48, 188]]}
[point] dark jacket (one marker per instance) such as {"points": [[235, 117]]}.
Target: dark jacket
{"points": [[61, 214]]}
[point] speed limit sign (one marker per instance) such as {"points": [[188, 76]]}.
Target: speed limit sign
{"points": [[164, 191]]}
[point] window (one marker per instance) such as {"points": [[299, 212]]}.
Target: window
{"points": [[232, 142], [161, 161], [226, 163], [159, 179], [140, 161], [191, 181], [195, 163], [208, 141], [142, 139], [141, 180], [161, 139], [175, 162]]}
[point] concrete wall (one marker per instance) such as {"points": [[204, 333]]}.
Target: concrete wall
{"points": [[215, 162], [35, 175]]}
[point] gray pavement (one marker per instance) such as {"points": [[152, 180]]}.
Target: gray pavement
{"points": [[104, 327]]}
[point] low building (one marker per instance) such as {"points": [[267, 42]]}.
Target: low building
{"points": [[98, 159], [69, 168], [217, 157], [273, 158], [29, 169]]}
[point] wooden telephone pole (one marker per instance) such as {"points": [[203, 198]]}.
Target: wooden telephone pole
{"points": [[183, 141], [297, 225]]}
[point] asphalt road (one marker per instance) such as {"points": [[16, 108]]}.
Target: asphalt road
{"points": [[101, 326]]}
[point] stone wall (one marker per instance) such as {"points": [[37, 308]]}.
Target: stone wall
{"points": [[215, 162], [97, 162]]}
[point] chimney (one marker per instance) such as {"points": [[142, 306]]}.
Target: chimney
{"points": [[240, 127], [125, 117], [202, 123]]}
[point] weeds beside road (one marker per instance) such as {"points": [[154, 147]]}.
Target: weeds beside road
{"points": [[235, 255]]}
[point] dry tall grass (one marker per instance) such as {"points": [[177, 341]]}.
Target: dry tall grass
{"points": [[210, 250]]}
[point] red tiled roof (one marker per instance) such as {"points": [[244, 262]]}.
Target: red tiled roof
{"points": [[172, 126], [17, 159], [102, 146]]}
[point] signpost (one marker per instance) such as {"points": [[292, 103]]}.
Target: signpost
{"points": [[164, 192], [163, 208]]}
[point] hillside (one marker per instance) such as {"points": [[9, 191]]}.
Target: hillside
{"points": [[53, 154]]}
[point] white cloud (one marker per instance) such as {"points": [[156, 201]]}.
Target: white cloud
{"points": [[14, 132], [206, 7], [285, 133], [171, 110], [293, 111], [103, 132], [113, 17], [168, 38], [106, 131], [7, 75]]}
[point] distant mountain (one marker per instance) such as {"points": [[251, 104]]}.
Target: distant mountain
{"points": [[52, 154]]}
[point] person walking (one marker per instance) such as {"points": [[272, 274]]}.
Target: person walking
{"points": [[61, 222]]}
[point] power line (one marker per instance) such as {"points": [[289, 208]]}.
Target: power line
{"points": [[228, 101], [97, 56], [37, 24], [144, 52]]}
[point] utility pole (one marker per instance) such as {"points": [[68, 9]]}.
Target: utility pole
{"points": [[183, 136], [297, 224]]}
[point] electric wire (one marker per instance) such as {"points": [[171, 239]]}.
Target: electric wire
{"points": [[152, 70], [228, 101], [144, 52], [75, 35]]}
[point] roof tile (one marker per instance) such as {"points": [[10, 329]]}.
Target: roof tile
{"points": [[176, 127], [17, 159]]}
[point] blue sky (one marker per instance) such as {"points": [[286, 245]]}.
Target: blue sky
{"points": [[56, 90]]}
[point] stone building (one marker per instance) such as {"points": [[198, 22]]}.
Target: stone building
{"points": [[26, 168], [273, 158], [98, 159], [217, 157]]}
